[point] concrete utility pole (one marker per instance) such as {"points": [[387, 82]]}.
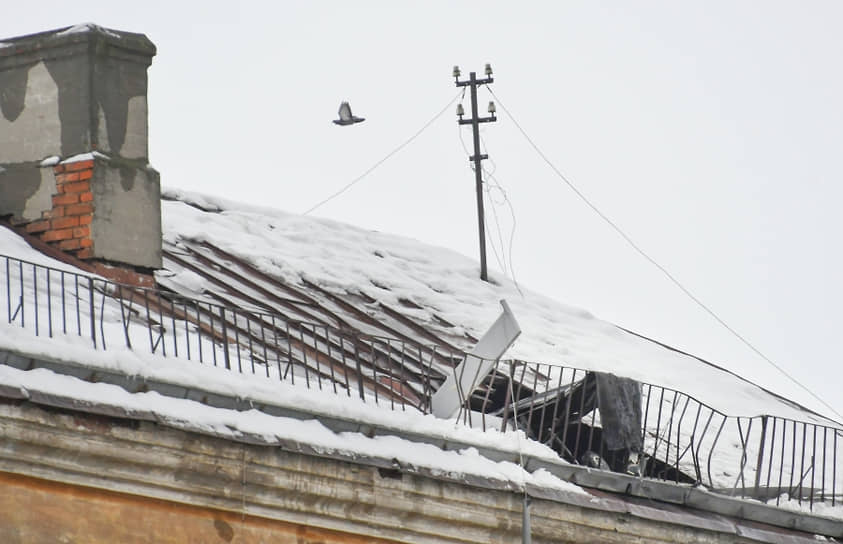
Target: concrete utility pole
{"points": [[475, 121]]}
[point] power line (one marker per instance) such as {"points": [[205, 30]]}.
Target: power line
{"points": [[489, 175], [652, 261], [384, 159]]}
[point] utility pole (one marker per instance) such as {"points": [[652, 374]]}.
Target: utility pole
{"points": [[475, 121]]}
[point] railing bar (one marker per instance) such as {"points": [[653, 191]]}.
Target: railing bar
{"points": [[713, 445], [772, 452], [35, 297], [792, 460], [426, 387], [345, 366], [593, 419], [49, 306], [359, 370], [123, 320], [580, 418], [22, 300], [237, 339], [63, 302], [186, 313], [175, 329], [507, 399], [213, 333], [391, 376], [825, 455], [8, 291], [484, 407], [834, 471], [148, 320], [567, 416], [670, 429], [693, 440], [646, 417], [744, 443], [251, 344], [517, 394], [263, 342], [304, 356], [161, 340], [658, 425], [102, 315], [555, 406], [697, 466], [93, 316], [374, 370], [533, 400], [781, 463], [316, 351], [679, 433], [405, 372], [802, 464], [290, 368], [813, 466], [78, 310], [277, 349]]}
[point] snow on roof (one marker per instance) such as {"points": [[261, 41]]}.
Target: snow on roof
{"points": [[446, 296], [436, 288], [267, 429]]}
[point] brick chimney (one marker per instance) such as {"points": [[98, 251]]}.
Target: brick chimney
{"points": [[73, 144]]}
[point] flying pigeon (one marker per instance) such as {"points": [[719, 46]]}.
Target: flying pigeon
{"points": [[346, 117]]}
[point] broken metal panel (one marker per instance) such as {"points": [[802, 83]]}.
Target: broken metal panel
{"points": [[477, 364]]}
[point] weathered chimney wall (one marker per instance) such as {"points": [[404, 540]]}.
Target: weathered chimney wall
{"points": [[71, 97]]}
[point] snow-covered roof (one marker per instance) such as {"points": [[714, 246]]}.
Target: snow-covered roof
{"points": [[373, 283], [440, 291]]}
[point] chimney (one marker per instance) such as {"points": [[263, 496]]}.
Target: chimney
{"points": [[73, 144]]}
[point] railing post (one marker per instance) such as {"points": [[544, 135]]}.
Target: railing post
{"points": [[91, 309], [225, 338], [360, 370], [760, 463]]}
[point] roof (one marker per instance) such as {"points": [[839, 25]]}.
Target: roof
{"points": [[403, 311], [434, 293]]}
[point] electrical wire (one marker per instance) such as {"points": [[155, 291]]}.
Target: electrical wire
{"points": [[652, 261], [488, 186], [493, 205], [508, 202], [487, 192], [387, 157]]}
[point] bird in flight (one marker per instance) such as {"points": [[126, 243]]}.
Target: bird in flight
{"points": [[346, 117]]}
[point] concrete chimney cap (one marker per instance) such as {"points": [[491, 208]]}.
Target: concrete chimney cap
{"points": [[81, 33]]}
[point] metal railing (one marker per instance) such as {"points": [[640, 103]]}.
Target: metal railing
{"points": [[681, 439]]}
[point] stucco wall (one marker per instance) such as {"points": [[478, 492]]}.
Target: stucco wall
{"points": [[64, 93], [26, 190], [126, 225], [36, 511], [124, 476]]}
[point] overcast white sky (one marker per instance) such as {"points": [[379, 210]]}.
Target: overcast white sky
{"points": [[711, 132]]}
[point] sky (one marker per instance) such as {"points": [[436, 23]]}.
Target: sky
{"points": [[709, 132]]}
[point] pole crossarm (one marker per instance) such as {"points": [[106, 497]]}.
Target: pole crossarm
{"points": [[484, 81], [480, 120]]}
